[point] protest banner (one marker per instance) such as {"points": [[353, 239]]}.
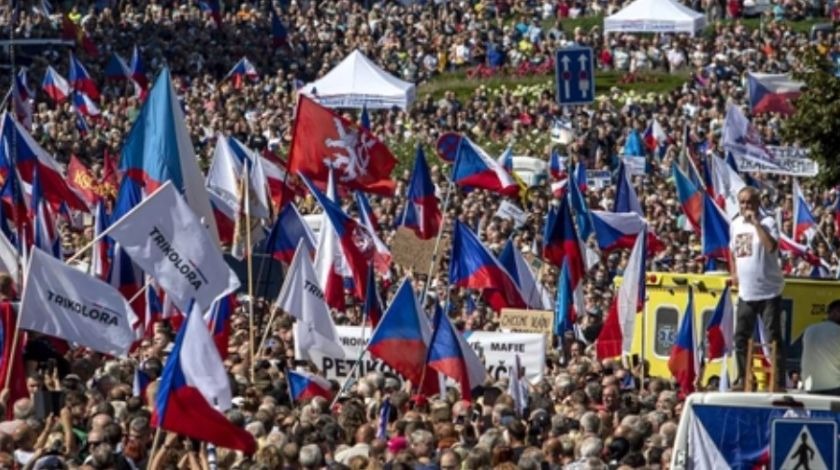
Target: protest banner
{"points": [[410, 252], [496, 349], [509, 211]]}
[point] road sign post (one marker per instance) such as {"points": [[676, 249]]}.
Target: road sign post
{"points": [[575, 75]]}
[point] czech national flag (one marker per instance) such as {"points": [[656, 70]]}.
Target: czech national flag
{"points": [[473, 266], [578, 200], [45, 234], [690, 196], [242, 70], [450, 355], [532, 291], [31, 156], [684, 362], [357, 245], [625, 196], [402, 336], [137, 71], [289, 229], [715, 231], [214, 8], [719, 332], [80, 79], [655, 137], [100, 262], [618, 230], [85, 105], [804, 222], [55, 86], [560, 241], [557, 165], [304, 385], [218, 321], [373, 304], [772, 93], [473, 168], [194, 387], [422, 213]]}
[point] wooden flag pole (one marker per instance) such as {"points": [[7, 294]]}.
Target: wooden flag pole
{"points": [[250, 266]]}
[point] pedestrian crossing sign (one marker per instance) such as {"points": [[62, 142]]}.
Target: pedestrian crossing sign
{"points": [[803, 444]]}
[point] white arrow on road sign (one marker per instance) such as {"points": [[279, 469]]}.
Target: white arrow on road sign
{"points": [[566, 76], [583, 83]]}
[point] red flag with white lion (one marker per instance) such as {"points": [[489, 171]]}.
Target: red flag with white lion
{"points": [[322, 139]]}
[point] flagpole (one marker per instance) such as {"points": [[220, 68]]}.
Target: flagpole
{"points": [[437, 242], [250, 264]]}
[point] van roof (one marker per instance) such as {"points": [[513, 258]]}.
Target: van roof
{"points": [[765, 399]]}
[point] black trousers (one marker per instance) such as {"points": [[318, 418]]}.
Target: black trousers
{"points": [[771, 314]]}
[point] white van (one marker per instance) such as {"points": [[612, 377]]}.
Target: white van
{"points": [[758, 430]]}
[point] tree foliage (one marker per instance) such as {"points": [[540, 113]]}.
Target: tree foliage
{"points": [[816, 122]]}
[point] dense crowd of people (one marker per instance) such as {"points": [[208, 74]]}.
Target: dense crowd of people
{"points": [[584, 413]]}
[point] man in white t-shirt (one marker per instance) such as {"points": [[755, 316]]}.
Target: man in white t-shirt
{"points": [[756, 272], [821, 354]]}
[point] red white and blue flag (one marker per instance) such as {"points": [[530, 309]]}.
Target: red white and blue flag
{"points": [[241, 71], [287, 232], [804, 223], [55, 86], [218, 319], [452, 356], [625, 196], [772, 93], [714, 231], [85, 105], [616, 336], [532, 291], [305, 385], [422, 213], [473, 168], [719, 331], [80, 79], [355, 242], [45, 233], [194, 390], [402, 336], [474, 267], [684, 361]]}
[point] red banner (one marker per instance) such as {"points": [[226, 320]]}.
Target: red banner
{"points": [[323, 139]]}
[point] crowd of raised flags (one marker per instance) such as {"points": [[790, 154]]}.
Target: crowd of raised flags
{"points": [[156, 249]]}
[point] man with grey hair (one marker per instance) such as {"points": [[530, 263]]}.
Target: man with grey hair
{"points": [[422, 445], [589, 454], [22, 410], [310, 456], [590, 423]]}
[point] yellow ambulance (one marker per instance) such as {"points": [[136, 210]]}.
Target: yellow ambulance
{"points": [[804, 303]]}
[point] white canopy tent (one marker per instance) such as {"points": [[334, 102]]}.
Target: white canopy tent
{"points": [[655, 16], [357, 81]]}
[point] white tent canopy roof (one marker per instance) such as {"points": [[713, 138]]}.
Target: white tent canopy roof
{"points": [[357, 81], [655, 16]]}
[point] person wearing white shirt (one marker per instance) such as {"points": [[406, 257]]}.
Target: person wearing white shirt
{"points": [[754, 247], [821, 354]]}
